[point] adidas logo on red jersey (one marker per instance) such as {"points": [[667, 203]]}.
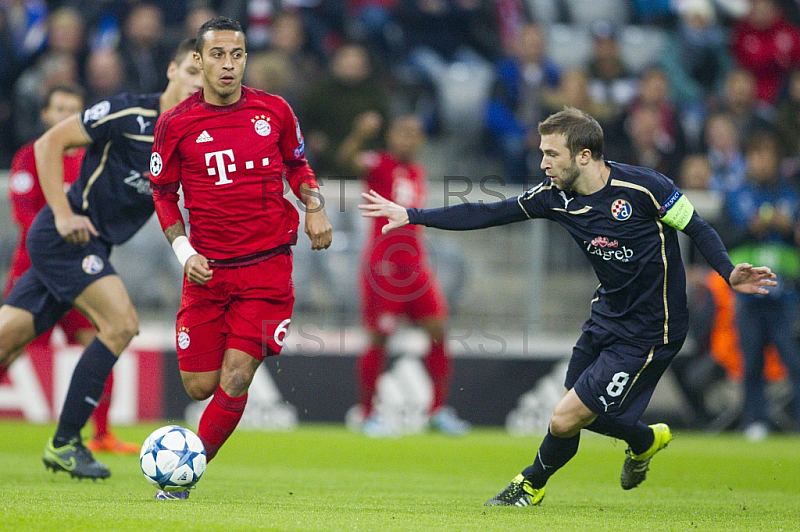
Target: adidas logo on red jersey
{"points": [[204, 137]]}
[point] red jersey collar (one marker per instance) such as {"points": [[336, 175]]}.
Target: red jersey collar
{"points": [[223, 108]]}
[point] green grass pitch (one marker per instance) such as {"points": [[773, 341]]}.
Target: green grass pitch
{"points": [[326, 478]]}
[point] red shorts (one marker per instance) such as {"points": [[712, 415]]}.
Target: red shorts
{"points": [[385, 298], [72, 322], [246, 308]]}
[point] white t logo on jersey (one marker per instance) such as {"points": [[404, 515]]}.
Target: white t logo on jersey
{"points": [[222, 169]]}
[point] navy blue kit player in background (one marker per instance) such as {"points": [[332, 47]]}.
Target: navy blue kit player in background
{"points": [[625, 219], [71, 239]]}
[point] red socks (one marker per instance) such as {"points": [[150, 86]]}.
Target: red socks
{"points": [[100, 414], [369, 368], [438, 364], [219, 420]]}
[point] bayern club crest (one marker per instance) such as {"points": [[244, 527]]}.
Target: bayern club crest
{"points": [[183, 340], [261, 124], [183, 337], [263, 128], [621, 209], [92, 264]]}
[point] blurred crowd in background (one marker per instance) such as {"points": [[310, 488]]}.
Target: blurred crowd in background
{"points": [[679, 85], [704, 91]]}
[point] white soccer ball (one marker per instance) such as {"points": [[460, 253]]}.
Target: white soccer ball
{"points": [[173, 458]]}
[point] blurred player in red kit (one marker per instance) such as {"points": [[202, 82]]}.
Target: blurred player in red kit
{"points": [[396, 276], [27, 199], [229, 147]]}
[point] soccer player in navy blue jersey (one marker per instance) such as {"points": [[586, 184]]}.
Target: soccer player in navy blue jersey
{"points": [[625, 219], [70, 241]]}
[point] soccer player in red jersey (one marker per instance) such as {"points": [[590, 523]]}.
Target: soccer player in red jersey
{"points": [[229, 148], [396, 276], [70, 241], [27, 199]]}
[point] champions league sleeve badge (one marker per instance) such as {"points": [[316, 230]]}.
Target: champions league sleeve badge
{"points": [[301, 149], [96, 112], [156, 164]]}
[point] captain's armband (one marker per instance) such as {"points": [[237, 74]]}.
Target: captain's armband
{"points": [[677, 211]]}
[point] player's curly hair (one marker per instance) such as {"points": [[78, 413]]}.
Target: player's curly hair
{"points": [[216, 24], [583, 132]]}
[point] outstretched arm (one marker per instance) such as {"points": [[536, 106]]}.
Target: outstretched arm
{"points": [[744, 278], [380, 207], [748, 279], [462, 217], [710, 245]]}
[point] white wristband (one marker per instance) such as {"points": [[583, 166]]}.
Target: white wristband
{"points": [[183, 249]]}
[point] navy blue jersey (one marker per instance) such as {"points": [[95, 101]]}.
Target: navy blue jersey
{"points": [[113, 189], [626, 230]]}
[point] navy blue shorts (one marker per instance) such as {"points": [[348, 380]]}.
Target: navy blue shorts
{"points": [[59, 272], [615, 378]]}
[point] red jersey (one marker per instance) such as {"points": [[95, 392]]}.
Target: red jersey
{"points": [[404, 184], [27, 199], [230, 162]]}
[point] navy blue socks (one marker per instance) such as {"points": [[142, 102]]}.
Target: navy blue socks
{"points": [[552, 455], [639, 437], [85, 389]]}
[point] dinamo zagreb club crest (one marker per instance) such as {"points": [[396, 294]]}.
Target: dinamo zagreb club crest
{"points": [[92, 264], [621, 209]]}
